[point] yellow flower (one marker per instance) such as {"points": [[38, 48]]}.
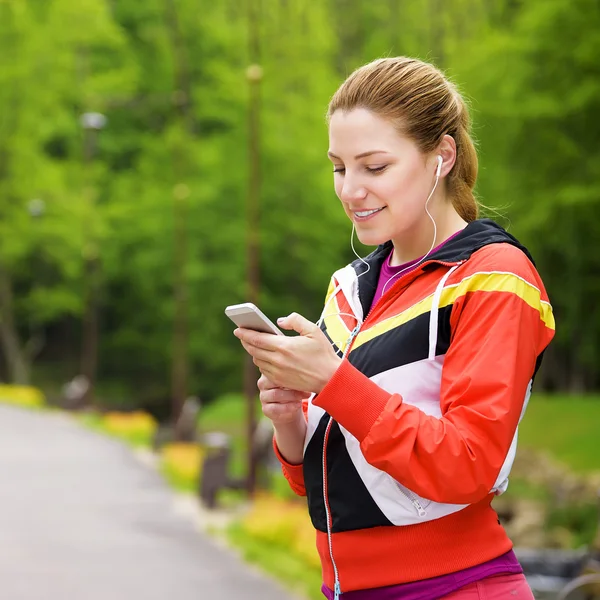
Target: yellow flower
{"points": [[132, 424], [22, 395], [182, 459]]}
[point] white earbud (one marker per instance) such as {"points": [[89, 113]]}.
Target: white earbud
{"points": [[439, 167]]}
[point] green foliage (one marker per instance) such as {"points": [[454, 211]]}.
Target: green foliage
{"points": [[537, 116], [170, 75], [228, 414], [580, 520], [566, 427]]}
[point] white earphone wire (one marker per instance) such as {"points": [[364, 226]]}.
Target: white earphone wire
{"points": [[437, 178], [356, 253]]}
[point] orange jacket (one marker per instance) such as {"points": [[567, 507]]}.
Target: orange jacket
{"points": [[417, 430]]}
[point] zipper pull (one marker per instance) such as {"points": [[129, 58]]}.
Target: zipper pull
{"points": [[419, 507], [349, 341], [337, 590]]}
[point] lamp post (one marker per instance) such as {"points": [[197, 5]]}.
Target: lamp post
{"points": [[92, 123], [254, 76], [179, 368]]}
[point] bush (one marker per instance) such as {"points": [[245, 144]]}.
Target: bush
{"points": [[20, 395], [285, 525], [180, 463], [580, 520], [278, 536], [136, 428]]}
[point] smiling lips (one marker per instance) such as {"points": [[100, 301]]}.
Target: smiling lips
{"points": [[363, 215]]}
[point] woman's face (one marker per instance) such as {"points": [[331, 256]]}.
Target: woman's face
{"points": [[381, 177]]}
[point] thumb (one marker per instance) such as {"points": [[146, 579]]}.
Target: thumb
{"points": [[297, 323]]}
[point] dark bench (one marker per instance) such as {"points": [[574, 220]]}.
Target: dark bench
{"points": [[216, 462]]}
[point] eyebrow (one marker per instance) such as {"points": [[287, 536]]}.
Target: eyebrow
{"points": [[361, 155]]}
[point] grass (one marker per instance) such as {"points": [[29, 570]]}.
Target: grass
{"points": [[580, 521], [277, 561], [522, 488], [566, 427]]}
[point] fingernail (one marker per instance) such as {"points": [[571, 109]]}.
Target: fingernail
{"points": [[280, 319]]}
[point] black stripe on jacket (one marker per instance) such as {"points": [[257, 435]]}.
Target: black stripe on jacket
{"points": [[351, 504]]}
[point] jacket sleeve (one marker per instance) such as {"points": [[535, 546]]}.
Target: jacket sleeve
{"points": [[500, 325], [293, 473]]}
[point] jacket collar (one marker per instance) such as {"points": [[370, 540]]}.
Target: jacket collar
{"points": [[473, 237]]}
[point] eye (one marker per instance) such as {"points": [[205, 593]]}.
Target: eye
{"points": [[339, 170], [376, 169]]}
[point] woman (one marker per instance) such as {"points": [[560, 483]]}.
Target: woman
{"points": [[398, 416]]}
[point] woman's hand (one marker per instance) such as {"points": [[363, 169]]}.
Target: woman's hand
{"points": [[303, 363], [283, 407]]}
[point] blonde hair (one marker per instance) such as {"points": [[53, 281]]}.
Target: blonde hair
{"points": [[423, 105]]}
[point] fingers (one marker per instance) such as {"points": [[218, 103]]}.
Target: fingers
{"points": [[281, 396], [282, 413], [264, 383], [297, 323], [278, 404], [256, 339], [258, 354]]}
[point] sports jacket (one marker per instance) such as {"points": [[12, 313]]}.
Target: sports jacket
{"points": [[417, 430]]}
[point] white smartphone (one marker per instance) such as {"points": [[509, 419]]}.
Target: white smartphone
{"points": [[249, 316]]}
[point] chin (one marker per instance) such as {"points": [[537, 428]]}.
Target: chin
{"points": [[371, 238]]}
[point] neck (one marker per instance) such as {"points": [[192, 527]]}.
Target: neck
{"points": [[420, 240]]}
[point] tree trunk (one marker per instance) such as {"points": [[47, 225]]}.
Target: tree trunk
{"points": [[182, 97], [16, 361], [254, 76]]}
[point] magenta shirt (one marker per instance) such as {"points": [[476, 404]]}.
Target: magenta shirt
{"points": [[387, 271], [437, 587]]}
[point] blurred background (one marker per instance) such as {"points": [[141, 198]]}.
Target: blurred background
{"points": [[160, 160]]}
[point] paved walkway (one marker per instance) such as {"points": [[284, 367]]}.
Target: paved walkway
{"points": [[82, 519]]}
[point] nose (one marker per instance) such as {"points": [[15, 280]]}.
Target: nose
{"points": [[352, 189]]}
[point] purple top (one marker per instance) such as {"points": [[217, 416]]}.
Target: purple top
{"points": [[387, 271], [437, 587]]}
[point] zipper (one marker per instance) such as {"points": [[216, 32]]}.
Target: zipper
{"points": [[336, 574], [353, 334], [413, 500], [337, 591], [337, 587]]}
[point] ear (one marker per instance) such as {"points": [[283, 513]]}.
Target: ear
{"points": [[447, 150]]}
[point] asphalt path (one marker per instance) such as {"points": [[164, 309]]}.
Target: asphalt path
{"points": [[82, 518]]}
